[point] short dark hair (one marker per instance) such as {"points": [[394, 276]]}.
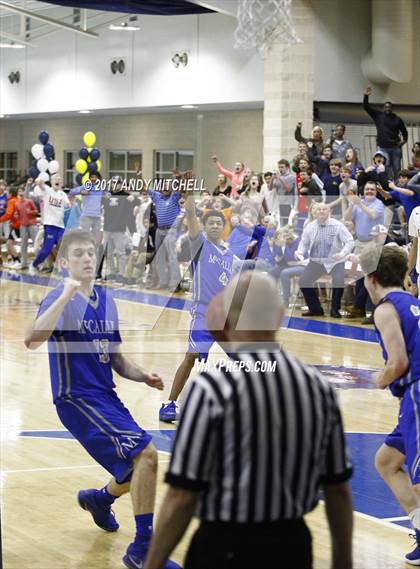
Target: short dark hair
{"points": [[268, 174], [95, 173], [213, 213], [284, 162], [343, 126], [309, 171], [389, 265], [404, 173], [75, 236]]}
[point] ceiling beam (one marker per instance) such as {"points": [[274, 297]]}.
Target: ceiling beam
{"points": [[37, 36], [16, 39], [47, 20]]}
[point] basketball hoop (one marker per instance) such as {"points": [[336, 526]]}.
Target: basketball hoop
{"points": [[261, 22]]}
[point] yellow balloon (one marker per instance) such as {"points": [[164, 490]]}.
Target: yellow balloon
{"points": [[89, 159], [81, 166], [85, 178], [89, 138], [99, 165]]}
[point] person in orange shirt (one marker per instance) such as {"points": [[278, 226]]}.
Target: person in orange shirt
{"points": [[223, 204], [12, 216]]}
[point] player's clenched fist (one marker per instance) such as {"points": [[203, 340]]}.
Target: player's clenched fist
{"points": [[70, 288]]}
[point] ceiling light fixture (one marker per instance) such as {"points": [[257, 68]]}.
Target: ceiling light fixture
{"points": [[124, 27], [11, 45], [85, 112], [189, 107]]}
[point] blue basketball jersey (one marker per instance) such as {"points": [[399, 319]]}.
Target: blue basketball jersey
{"points": [[408, 310], [81, 346], [213, 268], [3, 203]]}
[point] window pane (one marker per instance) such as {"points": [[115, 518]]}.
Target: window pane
{"points": [[117, 161], [69, 161], [119, 173], [134, 161], [185, 162], [165, 161], [70, 179], [2, 159], [10, 176], [13, 160]]}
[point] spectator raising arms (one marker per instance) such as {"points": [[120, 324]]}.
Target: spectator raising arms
{"points": [[391, 131], [236, 176], [316, 141]]}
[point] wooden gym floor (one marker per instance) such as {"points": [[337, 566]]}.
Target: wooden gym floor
{"points": [[42, 469]]}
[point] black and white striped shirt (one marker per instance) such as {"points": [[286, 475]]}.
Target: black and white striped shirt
{"points": [[259, 445]]}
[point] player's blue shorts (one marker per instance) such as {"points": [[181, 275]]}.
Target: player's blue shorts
{"points": [[106, 429], [406, 435], [200, 340]]}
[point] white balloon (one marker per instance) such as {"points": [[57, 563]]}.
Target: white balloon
{"points": [[44, 176], [53, 166], [37, 151], [42, 164]]}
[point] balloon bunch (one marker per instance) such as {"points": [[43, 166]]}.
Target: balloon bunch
{"points": [[44, 162], [89, 158]]}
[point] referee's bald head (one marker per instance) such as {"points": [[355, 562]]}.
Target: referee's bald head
{"points": [[248, 310]]}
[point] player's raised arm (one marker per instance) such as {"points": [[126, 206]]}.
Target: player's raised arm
{"points": [[45, 324], [191, 215], [130, 370]]}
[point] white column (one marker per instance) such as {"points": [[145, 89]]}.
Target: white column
{"points": [[289, 88]]}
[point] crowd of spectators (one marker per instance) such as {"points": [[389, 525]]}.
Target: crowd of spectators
{"points": [[304, 222]]}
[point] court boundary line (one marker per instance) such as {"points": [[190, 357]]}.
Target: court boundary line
{"points": [[187, 301], [385, 522]]}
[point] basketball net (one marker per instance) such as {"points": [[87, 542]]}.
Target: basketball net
{"points": [[261, 22]]}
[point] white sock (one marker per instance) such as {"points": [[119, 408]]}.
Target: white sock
{"points": [[415, 518]]}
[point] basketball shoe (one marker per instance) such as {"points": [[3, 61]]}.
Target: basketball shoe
{"points": [[102, 515], [135, 558]]}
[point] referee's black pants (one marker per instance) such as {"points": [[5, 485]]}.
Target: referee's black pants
{"points": [[279, 545]]}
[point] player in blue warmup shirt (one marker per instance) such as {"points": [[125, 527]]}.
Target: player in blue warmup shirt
{"points": [[397, 322], [80, 322], [212, 269]]}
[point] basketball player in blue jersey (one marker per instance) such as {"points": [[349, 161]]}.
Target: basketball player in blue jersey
{"points": [[80, 323], [213, 266], [397, 322]]}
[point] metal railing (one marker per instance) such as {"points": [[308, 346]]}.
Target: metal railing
{"points": [[370, 145]]}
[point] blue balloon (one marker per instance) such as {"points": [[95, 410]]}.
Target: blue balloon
{"points": [[49, 151], [92, 167], [83, 153], [43, 137], [33, 172], [33, 165], [79, 179], [95, 154]]}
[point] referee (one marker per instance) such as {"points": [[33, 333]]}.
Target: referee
{"points": [[253, 449]]}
